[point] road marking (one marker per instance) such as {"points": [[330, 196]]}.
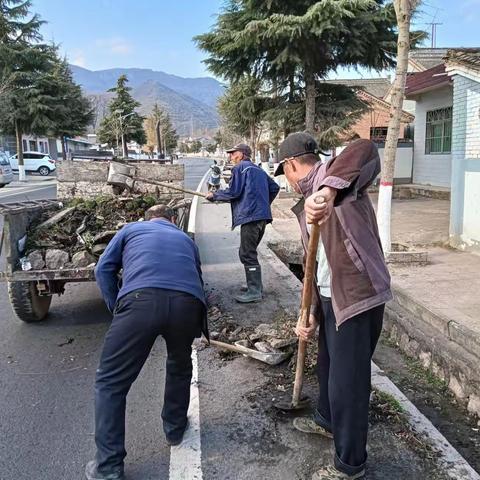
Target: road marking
{"points": [[22, 191], [186, 458], [193, 209]]}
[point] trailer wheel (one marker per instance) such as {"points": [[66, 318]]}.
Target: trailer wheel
{"points": [[27, 304]]}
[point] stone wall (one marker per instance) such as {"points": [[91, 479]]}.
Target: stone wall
{"points": [[88, 179], [445, 348]]}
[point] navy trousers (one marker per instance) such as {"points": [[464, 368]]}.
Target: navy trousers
{"points": [[251, 235], [344, 370], [139, 318]]}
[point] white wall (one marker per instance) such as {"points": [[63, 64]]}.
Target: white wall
{"points": [[433, 169], [403, 163], [465, 204]]}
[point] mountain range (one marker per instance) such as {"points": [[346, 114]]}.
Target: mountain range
{"points": [[191, 102]]}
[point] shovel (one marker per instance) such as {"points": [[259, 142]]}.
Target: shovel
{"points": [[123, 176], [271, 358], [298, 401]]}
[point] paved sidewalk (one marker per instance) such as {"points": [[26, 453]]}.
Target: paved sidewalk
{"points": [[243, 436]]}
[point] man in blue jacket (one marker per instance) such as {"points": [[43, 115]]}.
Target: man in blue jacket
{"points": [[250, 193], [161, 294]]}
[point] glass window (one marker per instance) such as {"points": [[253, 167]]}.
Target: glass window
{"points": [[438, 138], [25, 147], [32, 145], [378, 134]]}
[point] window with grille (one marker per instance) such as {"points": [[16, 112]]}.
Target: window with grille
{"points": [[438, 137], [378, 134]]}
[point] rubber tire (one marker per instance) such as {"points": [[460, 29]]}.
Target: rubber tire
{"points": [[27, 305], [44, 169], [2, 185]]}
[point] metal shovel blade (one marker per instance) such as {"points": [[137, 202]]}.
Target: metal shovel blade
{"points": [[287, 405]]}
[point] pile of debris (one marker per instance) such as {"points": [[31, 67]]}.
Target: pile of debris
{"points": [[276, 338], [77, 234]]}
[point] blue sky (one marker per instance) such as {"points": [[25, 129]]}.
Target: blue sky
{"points": [[157, 34]]}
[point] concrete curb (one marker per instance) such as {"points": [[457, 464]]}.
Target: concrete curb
{"points": [[449, 459], [192, 220]]}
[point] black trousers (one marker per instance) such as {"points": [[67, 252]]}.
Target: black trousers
{"points": [[251, 235], [139, 318], [344, 370]]}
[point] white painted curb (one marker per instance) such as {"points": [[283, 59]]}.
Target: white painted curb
{"points": [[453, 464], [193, 209]]}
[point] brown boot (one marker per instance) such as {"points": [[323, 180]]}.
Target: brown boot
{"points": [[331, 473], [308, 425]]}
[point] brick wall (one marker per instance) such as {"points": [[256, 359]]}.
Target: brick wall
{"points": [[376, 117], [465, 209]]}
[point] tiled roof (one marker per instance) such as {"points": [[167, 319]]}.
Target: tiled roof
{"points": [[428, 80], [378, 87], [468, 57], [426, 58]]}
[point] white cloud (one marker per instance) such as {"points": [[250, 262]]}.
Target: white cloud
{"points": [[114, 45], [79, 59]]}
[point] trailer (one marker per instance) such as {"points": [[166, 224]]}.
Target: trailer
{"points": [[30, 291]]}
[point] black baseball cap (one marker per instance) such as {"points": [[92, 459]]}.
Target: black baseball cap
{"points": [[296, 145], [241, 147]]}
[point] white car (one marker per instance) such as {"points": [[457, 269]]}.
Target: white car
{"points": [[6, 175], [35, 162]]}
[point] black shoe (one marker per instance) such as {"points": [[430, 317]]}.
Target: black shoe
{"points": [[92, 473], [174, 440]]}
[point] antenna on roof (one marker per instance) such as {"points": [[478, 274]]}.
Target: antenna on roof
{"points": [[434, 32]]}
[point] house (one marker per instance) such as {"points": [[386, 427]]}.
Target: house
{"points": [[447, 137], [463, 70], [432, 92], [30, 143], [373, 124]]}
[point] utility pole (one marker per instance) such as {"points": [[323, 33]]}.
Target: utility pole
{"points": [[434, 33]]}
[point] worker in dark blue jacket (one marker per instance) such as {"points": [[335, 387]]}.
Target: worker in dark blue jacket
{"points": [[250, 193], [161, 294]]}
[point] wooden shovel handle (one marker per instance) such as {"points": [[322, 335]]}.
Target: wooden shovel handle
{"points": [[305, 309], [169, 185]]}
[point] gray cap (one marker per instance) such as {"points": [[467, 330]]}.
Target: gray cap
{"points": [[241, 147], [296, 145]]}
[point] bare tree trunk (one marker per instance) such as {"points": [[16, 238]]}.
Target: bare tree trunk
{"points": [[403, 10], [64, 150], [124, 146], [159, 139], [310, 97], [21, 165], [253, 141]]}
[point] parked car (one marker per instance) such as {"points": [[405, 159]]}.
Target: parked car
{"points": [[35, 162], [6, 175]]}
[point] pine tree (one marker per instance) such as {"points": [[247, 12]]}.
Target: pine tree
{"points": [[24, 62], [122, 124], [243, 108], [299, 41], [73, 112]]}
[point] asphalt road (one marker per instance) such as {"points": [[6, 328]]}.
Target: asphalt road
{"points": [[46, 382]]}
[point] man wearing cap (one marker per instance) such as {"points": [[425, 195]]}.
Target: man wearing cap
{"points": [[250, 193], [353, 285], [161, 294]]}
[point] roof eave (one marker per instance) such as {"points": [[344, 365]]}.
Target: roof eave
{"points": [[411, 95]]}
